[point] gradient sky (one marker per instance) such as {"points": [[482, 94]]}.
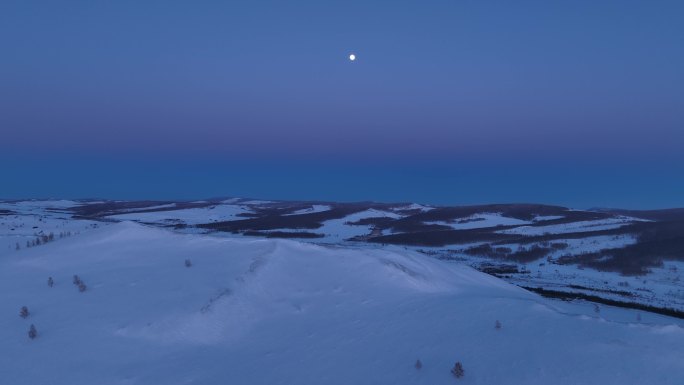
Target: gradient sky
{"points": [[579, 103]]}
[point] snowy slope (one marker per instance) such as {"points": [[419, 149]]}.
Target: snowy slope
{"points": [[254, 311], [339, 230], [479, 221], [573, 227], [414, 206], [190, 216], [311, 210], [32, 219]]}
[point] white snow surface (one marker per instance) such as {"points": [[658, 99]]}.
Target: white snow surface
{"points": [[39, 204], [311, 210], [541, 218], [572, 227], [415, 206], [192, 216], [339, 230], [155, 207], [478, 221], [32, 219], [258, 311]]}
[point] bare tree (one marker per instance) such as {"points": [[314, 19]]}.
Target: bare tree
{"points": [[51, 282], [32, 333], [418, 364], [24, 312], [457, 370]]}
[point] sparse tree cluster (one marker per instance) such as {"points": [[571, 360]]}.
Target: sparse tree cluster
{"points": [[42, 239], [79, 283], [24, 313], [32, 333], [457, 370]]}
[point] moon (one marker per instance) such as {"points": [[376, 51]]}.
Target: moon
{"points": [[352, 57]]}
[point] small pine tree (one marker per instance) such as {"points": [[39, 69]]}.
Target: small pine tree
{"points": [[81, 287], [597, 309], [188, 263], [32, 333], [497, 325], [418, 365], [51, 282], [457, 370], [77, 280], [638, 317], [24, 312], [18, 247]]}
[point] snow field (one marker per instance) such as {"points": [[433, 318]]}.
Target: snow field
{"points": [[258, 311]]}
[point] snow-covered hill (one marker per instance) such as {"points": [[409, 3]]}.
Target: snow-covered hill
{"points": [[631, 257], [264, 311]]}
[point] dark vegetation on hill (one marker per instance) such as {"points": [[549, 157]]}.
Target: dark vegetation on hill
{"points": [[658, 239], [570, 296], [276, 218], [656, 242], [102, 209], [284, 234]]}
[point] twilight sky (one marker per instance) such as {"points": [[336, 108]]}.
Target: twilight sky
{"points": [[573, 102]]}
